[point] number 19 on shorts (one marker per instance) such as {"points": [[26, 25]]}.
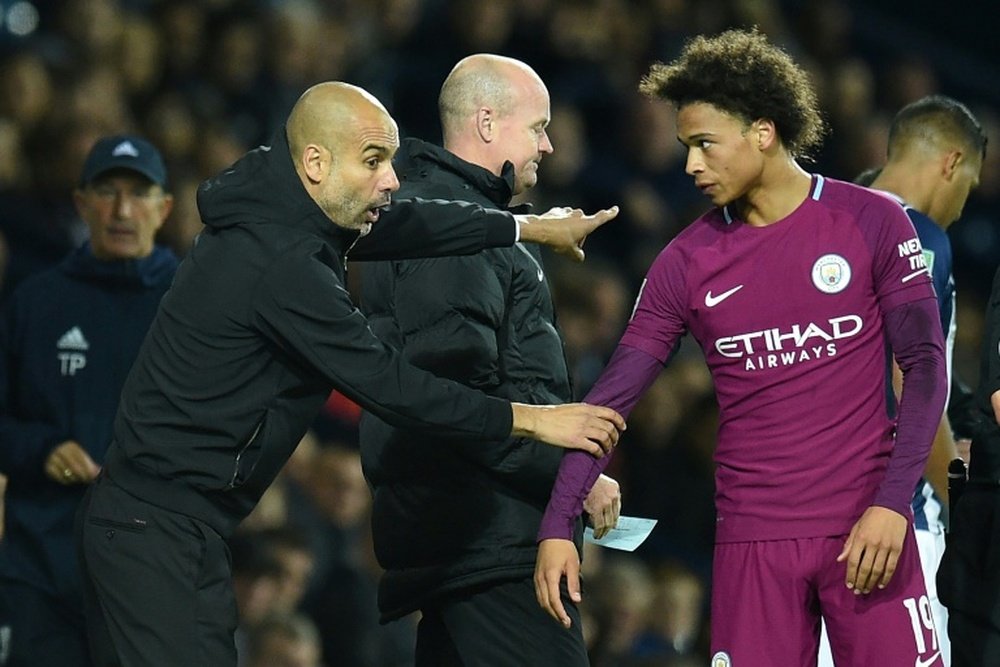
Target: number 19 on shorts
{"points": [[922, 621]]}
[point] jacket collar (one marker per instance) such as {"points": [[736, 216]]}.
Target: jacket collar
{"points": [[499, 189], [155, 269], [262, 187]]}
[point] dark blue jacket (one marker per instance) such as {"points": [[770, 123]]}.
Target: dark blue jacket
{"points": [[68, 338]]}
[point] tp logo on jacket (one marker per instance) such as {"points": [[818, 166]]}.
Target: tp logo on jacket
{"points": [[71, 347]]}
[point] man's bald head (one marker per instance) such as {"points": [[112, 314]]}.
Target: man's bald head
{"points": [[482, 80], [342, 140], [327, 112], [494, 111]]}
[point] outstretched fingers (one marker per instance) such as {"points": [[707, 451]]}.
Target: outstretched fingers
{"points": [[605, 215]]}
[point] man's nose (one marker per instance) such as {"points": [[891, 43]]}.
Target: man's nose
{"points": [[390, 183], [123, 204], [694, 164], [546, 145]]}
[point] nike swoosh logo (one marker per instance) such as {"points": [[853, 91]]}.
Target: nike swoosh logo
{"points": [[928, 662], [712, 301], [914, 275]]}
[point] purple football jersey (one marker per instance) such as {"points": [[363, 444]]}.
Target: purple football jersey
{"points": [[789, 317]]}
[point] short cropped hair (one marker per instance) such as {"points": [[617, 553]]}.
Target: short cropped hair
{"points": [[933, 119], [742, 73]]}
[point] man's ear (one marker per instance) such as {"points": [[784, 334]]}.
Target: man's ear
{"points": [[766, 133], [953, 160], [315, 162], [485, 119]]}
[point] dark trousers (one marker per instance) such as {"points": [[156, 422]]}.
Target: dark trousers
{"points": [[969, 578], [37, 630], [973, 642], [157, 584], [498, 626]]}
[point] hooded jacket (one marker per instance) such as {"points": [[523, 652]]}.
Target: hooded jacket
{"points": [[451, 514], [68, 338], [256, 331]]}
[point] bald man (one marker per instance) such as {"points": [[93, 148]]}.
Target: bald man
{"points": [[254, 333], [454, 526]]}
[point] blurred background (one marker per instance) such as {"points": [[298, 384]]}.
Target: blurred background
{"points": [[207, 80]]}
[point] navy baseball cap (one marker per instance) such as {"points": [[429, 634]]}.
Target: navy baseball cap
{"points": [[124, 152]]}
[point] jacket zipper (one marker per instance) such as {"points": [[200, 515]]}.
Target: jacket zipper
{"points": [[364, 232], [243, 449]]}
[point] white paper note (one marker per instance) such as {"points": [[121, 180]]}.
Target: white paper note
{"points": [[630, 532]]}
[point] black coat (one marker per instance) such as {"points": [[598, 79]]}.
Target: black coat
{"points": [[258, 328], [450, 514]]}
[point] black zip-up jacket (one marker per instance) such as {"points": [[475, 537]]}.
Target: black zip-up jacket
{"points": [[451, 514], [256, 330], [985, 464]]}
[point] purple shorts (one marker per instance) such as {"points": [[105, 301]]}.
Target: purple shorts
{"points": [[768, 597]]}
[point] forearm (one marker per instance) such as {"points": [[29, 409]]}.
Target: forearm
{"points": [[915, 336], [525, 420], [626, 377]]}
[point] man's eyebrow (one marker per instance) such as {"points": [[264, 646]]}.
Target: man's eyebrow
{"points": [[695, 137], [372, 146]]}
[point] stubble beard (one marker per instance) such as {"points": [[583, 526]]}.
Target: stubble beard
{"points": [[345, 212]]}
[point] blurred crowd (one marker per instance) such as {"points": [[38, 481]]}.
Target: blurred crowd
{"points": [[205, 80]]}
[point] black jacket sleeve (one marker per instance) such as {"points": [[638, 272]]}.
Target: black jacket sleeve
{"points": [[303, 307], [985, 454], [989, 370], [434, 228]]}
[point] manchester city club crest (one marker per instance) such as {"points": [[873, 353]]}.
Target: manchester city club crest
{"points": [[831, 274], [721, 659]]}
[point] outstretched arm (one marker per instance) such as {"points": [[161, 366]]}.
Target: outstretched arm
{"points": [[563, 229], [412, 228]]}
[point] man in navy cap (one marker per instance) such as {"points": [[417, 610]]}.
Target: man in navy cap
{"points": [[68, 337]]}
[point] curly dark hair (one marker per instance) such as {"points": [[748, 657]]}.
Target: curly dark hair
{"points": [[742, 73]]}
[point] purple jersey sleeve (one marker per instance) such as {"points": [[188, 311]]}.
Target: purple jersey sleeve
{"points": [[911, 323], [626, 377], [657, 322], [914, 332]]}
